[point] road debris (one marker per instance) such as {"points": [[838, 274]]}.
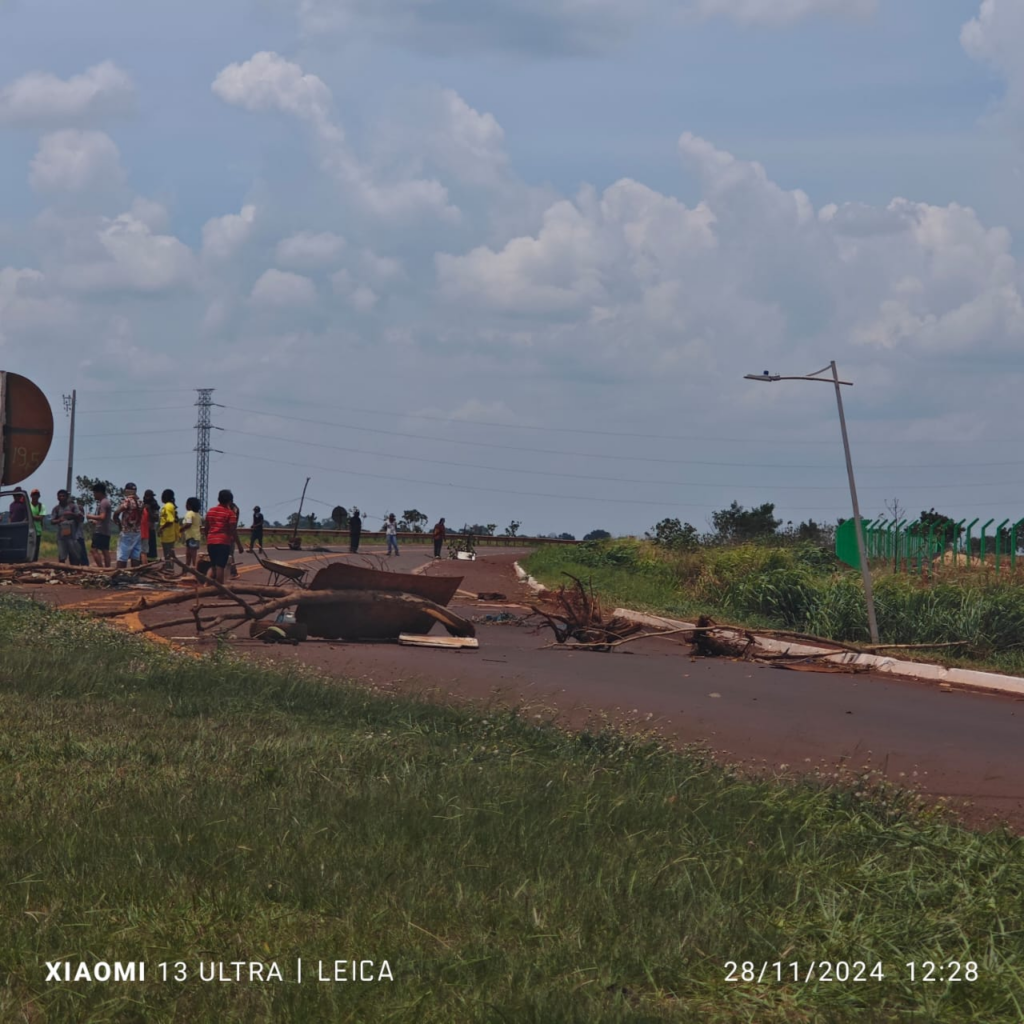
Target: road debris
{"points": [[581, 618]]}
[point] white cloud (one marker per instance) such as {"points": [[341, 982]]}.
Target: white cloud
{"points": [[467, 143], [124, 254], [41, 98], [309, 249], [752, 268], [26, 308], [380, 268], [996, 37], [76, 161], [223, 236], [269, 82], [363, 298], [153, 214], [281, 288], [577, 259]]}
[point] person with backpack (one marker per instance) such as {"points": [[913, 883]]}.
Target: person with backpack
{"points": [[129, 521]]}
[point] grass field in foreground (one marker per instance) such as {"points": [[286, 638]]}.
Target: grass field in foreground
{"points": [[158, 807]]}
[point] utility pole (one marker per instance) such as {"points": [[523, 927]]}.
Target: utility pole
{"points": [[203, 427], [858, 529], [69, 409]]}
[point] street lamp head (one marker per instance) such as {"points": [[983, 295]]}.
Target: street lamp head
{"points": [[761, 376]]}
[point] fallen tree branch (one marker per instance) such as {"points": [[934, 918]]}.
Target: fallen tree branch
{"points": [[219, 587], [603, 646]]}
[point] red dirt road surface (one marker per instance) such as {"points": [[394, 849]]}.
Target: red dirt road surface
{"points": [[965, 747]]}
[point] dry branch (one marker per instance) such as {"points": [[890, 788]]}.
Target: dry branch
{"points": [[581, 618]]}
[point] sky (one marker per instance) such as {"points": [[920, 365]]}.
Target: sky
{"points": [[511, 260]]}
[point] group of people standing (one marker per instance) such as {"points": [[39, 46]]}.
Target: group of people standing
{"points": [[148, 529], [151, 529], [144, 525]]}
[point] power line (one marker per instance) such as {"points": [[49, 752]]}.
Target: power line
{"points": [[584, 455], [134, 433], [536, 494], [601, 433], [605, 479], [148, 408], [119, 457], [132, 391]]}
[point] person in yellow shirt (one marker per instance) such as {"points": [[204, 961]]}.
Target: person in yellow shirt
{"points": [[169, 533], [192, 530]]}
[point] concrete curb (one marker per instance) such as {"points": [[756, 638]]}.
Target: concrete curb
{"points": [[962, 678]]}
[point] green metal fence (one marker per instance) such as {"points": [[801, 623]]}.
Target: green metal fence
{"points": [[920, 547]]}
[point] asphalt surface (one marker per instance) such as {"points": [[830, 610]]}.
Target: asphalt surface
{"points": [[965, 747]]}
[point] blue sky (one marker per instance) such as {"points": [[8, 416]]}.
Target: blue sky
{"points": [[488, 228]]}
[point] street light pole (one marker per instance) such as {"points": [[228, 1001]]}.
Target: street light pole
{"points": [[865, 570], [69, 407]]}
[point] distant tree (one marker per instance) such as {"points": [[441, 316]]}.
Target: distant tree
{"points": [[671, 533], [85, 485], [819, 533], [513, 528], [597, 535], [943, 525], [477, 530], [339, 516], [566, 536], [736, 523], [412, 521]]}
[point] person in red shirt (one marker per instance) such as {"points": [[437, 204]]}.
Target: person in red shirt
{"points": [[221, 530]]}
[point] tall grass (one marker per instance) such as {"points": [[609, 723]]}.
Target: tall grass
{"points": [[161, 807], [804, 589]]}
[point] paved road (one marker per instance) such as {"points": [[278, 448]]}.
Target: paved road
{"points": [[964, 746]]}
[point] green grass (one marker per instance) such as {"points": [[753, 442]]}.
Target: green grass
{"points": [[803, 588], [161, 807]]}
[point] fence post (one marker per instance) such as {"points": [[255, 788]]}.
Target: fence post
{"points": [[1013, 545], [931, 550], [970, 525], [983, 529], [999, 537], [881, 536], [910, 536], [869, 538], [957, 532]]}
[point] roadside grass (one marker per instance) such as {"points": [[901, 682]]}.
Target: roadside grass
{"points": [[805, 589], [162, 807]]}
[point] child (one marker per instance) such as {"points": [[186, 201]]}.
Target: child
{"points": [[191, 531], [169, 534]]}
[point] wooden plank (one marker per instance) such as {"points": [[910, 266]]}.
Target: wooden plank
{"points": [[457, 642]]}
